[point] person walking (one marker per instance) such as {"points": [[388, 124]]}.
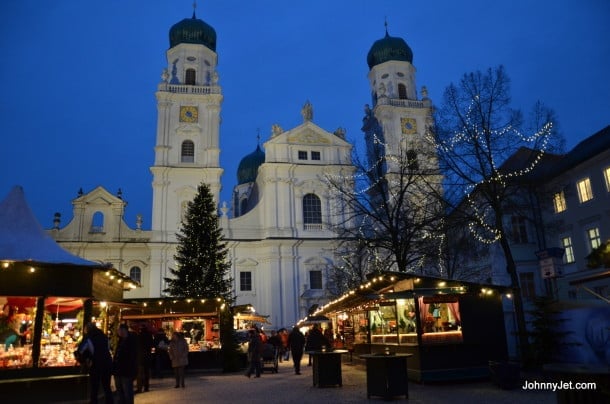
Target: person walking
{"points": [[145, 347], [95, 346], [296, 342], [285, 348], [178, 354], [125, 365], [255, 348]]}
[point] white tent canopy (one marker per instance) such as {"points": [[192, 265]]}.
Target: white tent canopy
{"points": [[22, 238]]}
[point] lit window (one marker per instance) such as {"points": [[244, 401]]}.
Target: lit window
{"points": [[312, 209], [519, 229], [245, 281], [607, 178], [594, 239], [315, 279], [135, 273], [315, 155], [188, 152], [584, 190], [559, 200], [568, 256], [528, 287], [302, 155]]}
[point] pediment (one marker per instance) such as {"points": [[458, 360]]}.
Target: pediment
{"points": [[307, 133], [99, 196], [246, 262]]}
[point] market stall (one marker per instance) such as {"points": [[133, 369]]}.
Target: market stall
{"points": [[452, 328], [197, 319], [45, 293]]}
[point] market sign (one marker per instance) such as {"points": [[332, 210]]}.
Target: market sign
{"points": [[441, 299], [551, 262]]}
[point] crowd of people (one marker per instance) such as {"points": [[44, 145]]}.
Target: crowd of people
{"points": [[136, 353], [286, 343], [131, 360]]}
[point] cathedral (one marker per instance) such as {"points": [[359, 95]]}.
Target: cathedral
{"points": [[280, 229]]}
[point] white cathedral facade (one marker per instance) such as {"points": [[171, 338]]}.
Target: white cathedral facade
{"points": [[280, 234]]}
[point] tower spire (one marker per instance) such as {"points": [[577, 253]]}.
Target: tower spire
{"points": [[194, 7], [385, 23]]}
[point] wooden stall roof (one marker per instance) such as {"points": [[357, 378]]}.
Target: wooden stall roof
{"points": [[400, 285]]}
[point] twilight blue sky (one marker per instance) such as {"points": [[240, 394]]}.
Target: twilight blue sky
{"points": [[78, 106]]}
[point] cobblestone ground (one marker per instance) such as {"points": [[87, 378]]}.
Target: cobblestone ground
{"points": [[286, 387]]}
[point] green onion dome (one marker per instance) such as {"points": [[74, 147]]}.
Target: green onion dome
{"points": [[389, 48], [192, 30], [248, 166]]}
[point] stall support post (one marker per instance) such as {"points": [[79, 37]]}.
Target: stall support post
{"points": [[87, 312], [36, 341]]}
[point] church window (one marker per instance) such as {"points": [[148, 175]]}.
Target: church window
{"points": [[312, 211], [97, 223], [315, 279], [135, 273], [302, 155], [245, 281], [315, 155], [402, 91], [188, 152], [190, 78], [412, 160], [243, 206]]}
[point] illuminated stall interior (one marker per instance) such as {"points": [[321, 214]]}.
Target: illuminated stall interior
{"points": [[452, 328], [198, 319]]}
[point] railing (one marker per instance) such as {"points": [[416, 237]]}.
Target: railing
{"points": [[188, 89], [312, 227], [400, 102]]}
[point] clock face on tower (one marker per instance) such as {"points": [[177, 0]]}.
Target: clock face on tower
{"points": [[408, 125], [189, 114]]}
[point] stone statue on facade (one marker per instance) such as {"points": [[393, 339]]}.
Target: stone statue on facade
{"points": [[307, 112], [276, 130]]}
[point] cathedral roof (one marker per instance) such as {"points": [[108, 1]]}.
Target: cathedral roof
{"points": [[389, 48], [248, 166], [192, 30]]}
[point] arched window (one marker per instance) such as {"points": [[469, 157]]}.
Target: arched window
{"points": [[312, 212], [188, 152], [402, 91], [190, 78], [412, 160], [135, 273], [243, 206], [97, 223]]}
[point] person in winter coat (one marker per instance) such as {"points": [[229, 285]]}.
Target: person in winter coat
{"points": [[296, 342], [145, 347], [95, 347], [255, 350], [125, 364], [179, 355]]}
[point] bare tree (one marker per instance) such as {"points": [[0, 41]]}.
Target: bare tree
{"points": [[484, 155], [389, 213]]}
